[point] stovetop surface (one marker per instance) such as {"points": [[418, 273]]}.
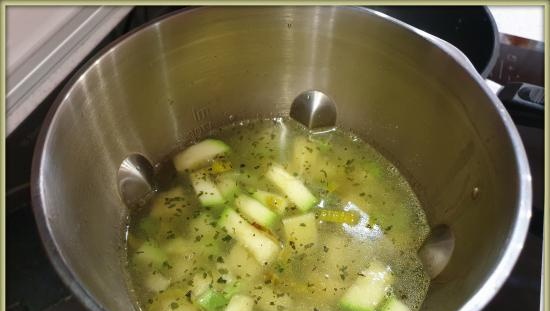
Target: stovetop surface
{"points": [[33, 284]]}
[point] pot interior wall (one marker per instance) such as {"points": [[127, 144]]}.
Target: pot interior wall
{"points": [[182, 76]]}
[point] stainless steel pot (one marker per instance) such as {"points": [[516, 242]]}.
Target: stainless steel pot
{"points": [[405, 92]]}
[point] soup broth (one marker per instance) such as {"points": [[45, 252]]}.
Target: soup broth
{"points": [[265, 215]]}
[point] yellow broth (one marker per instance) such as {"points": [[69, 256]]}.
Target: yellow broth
{"points": [[176, 247]]}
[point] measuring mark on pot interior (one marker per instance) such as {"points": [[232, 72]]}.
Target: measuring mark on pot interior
{"points": [[202, 116], [199, 130]]}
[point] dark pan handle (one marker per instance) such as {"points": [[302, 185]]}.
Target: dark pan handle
{"points": [[524, 102]]}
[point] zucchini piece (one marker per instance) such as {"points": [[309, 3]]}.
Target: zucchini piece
{"points": [[304, 156], [149, 227], [261, 245], [177, 247], [271, 200], [309, 162], [133, 241], [254, 211], [369, 289], [202, 282], [227, 185], [223, 278], [204, 224], [211, 300], [240, 303], [163, 205], [148, 254], [207, 192], [394, 304], [267, 299], [198, 154], [180, 269], [172, 299], [301, 231], [292, 187], [156, 282], [181, 252], [326, 281], [242, 264], [232, 288], [334, 246], [205, 235]]}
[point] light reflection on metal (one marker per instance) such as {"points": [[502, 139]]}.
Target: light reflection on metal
{"points": [[437, 250], [314, 110], [362, 230], [135, 180]]}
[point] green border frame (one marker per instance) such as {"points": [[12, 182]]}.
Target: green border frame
{"points": [[272, 2], [546, 234], [2, 157], [5, 4]]}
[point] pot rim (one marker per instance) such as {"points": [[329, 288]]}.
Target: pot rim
{"points": [[490, 64], [477, 301]]}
